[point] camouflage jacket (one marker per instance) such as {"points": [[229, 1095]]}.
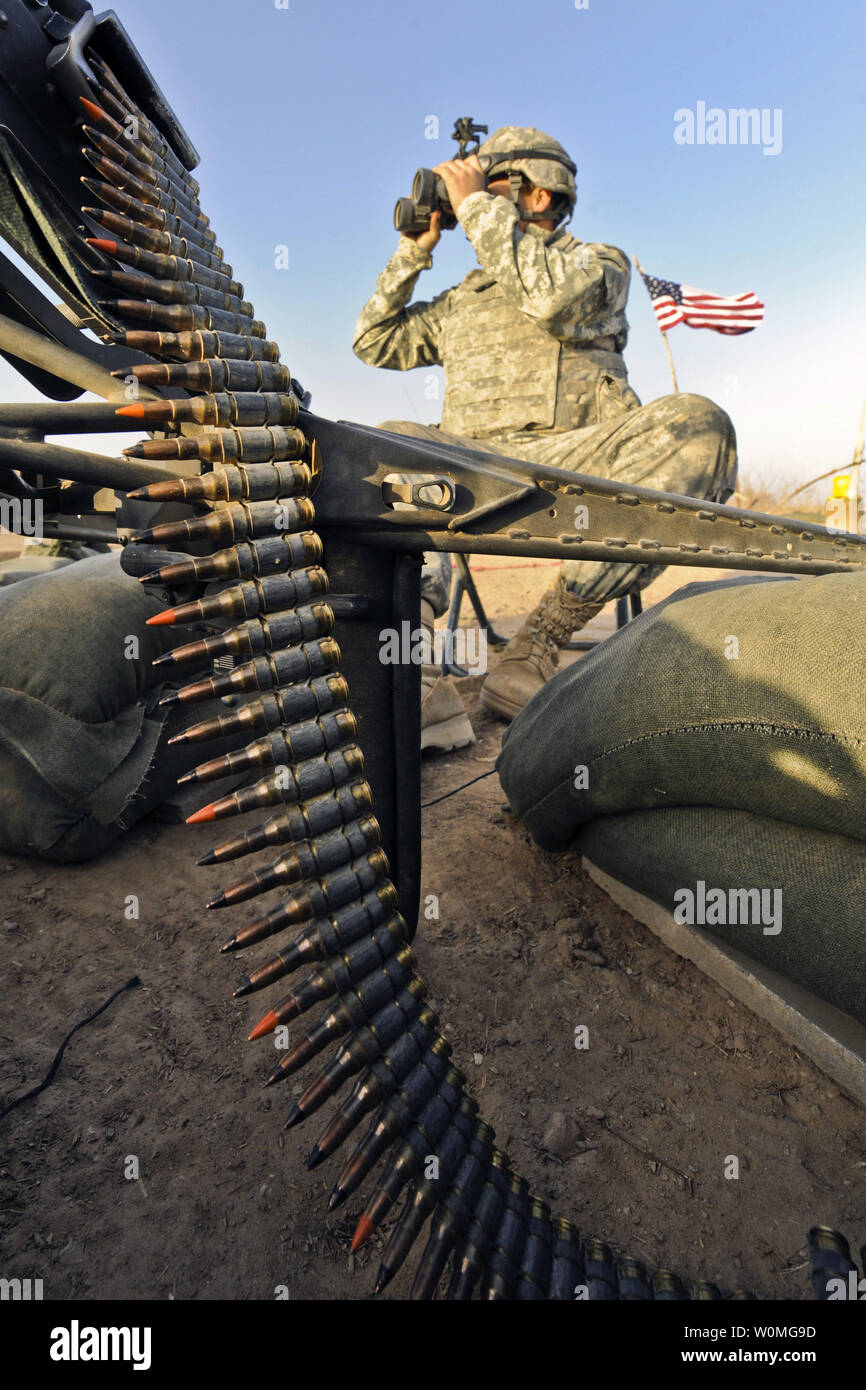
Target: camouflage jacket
{"points": [[531, 340]]}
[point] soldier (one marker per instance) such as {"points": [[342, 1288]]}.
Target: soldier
{"points": [[532, 344]]}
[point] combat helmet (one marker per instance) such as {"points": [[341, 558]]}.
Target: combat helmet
{"points": [[524, 152]]}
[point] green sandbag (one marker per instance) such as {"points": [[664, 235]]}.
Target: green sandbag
{"points": [[745, 694], [719, 739], [82, 740], [821, 878]]}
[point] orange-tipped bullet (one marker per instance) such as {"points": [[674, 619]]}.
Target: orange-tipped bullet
{"points": [[363, 1231], [267, 1025], [96, 113]]}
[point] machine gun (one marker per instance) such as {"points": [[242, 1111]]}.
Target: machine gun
{"points": [[231, 431]]}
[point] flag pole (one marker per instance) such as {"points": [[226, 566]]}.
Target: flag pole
{"points": [[664, 336]]}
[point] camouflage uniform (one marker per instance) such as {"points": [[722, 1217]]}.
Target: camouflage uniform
{"points": [[531, 343]]}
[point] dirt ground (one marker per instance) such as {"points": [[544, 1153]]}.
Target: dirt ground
{"points": [[629, 1137]]}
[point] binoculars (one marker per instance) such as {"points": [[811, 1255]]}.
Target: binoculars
{"points": [[429, 195]]}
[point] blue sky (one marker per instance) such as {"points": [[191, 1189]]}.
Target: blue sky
{"points": [[310, 121]]}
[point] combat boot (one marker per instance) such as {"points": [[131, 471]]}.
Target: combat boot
{"points": [[444, 722], [532, 655]]}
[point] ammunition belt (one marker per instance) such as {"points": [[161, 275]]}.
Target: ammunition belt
{"points": [[305, 761]]}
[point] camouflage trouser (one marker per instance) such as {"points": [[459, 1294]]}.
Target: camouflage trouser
{"points": [[683, 444]]}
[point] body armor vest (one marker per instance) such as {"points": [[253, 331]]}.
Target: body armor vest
{"points": [[503, 372]]}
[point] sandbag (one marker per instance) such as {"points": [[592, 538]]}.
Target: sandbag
{"points": [[83, 742], [718, 742], [821, 936], [746, 694]]}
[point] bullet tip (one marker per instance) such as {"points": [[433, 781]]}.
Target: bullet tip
{"points": [[92, 109], [267, 1024], [134, 412], [363, 1232], [219, 901], [230, 945], [170, 697], [296, 1114], [314, 1158], [159, 619], [206, 813], [206, 860], [243, 989]]}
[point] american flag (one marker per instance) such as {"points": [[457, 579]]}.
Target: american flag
{"points": [[675, 304]]}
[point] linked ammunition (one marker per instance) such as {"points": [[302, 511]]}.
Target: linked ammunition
{"points": [[336, 975], [566, 1273], [167, 200], [117, 132], [286, 785], [268, 445], [139, 131], [225, 408], [503, 1266], [310, 859], [667, 1287], [357, 1010], [420, 1143], [296, 752], [164, 267], [704, 1292], [199, 347], [153, 173], [256, 636], [236, 521], [369, 1044], [159, 242], [298, 823], [268, 594], [181, 317], [479, 1225], [329, 937], [382, 942], [138, 286], [426, 1192], [109, 86], [393, 1118], [600, 1271], [141, 135], [157, 219], [533, 1276], [633, 1281], [245, 482], [380, 1081], [452, 1216], [263, 672], [271, 555], [317, 899], [319, 696], [216, 373]]}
